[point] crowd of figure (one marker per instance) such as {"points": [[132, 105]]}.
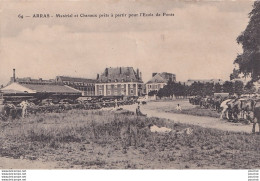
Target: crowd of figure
{"points": [[232, 108], [26, 107]]}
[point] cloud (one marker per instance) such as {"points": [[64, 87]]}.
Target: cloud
{"points": [[198, 42]]}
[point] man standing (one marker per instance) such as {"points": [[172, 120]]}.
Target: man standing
{"points": [[24, 105]]}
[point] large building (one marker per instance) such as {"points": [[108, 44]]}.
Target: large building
{"points": [[159, 80], [119, 81], [86, 86]]}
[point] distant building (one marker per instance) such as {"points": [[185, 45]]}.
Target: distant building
{"points": [[86, 86], [29, 80], [214, 81], [119, 81], [159, 80]]}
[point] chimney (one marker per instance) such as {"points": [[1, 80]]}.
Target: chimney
{"points": [[106, 72], [138, 75], [120, 70], [14, 75], [97, 76]]}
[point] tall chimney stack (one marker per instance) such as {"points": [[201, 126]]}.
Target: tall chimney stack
{"points": [[14, 74]]}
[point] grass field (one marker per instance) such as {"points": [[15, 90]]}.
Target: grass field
{"points": [[187, 108], [197, 111], [110, 140]]}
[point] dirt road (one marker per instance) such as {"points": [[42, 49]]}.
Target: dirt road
{"points": [[10, 163], [153, 109]]}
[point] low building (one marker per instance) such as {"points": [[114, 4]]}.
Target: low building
{"points": [[39, 91], [159, 80], [119, 81], [214, 81], [86, 86]]}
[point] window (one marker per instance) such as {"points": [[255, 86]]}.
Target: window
{"points": [[100, 92], [131, 91], [150, 86], [108, 92]]}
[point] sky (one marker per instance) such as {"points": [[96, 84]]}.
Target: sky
{"points": [[198, 42]]}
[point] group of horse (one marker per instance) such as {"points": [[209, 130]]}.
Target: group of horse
{"points": [[207, 102], [234, 109]]}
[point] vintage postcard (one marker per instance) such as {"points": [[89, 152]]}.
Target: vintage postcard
{"points": [[134, 84]]}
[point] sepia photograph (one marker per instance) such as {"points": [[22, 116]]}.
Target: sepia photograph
{"points": [[138, 84]]}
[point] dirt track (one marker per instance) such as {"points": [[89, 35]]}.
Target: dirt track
{"points": [[155, 109], [10, 163]]}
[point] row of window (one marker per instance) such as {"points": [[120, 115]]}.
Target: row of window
{"points": [[77, 83], [116, 92], [122, 86], [122, 80], [86, 88], [155, 86]]}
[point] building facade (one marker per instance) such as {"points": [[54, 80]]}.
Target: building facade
{"points": [[119, 81], [158, 81], [86, 86]]}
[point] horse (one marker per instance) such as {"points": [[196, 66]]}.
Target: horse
{"points": [[225, 107]]}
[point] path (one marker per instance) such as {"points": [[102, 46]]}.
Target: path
{"points": [[206, 122]]}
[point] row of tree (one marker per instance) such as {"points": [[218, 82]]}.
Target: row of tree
{"points": [[203, 89]]}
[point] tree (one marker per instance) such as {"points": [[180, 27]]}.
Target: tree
{"points": [[152, 93], [235, 74], [249, 88], [208, 89], [218, 88], [228, 87], [249, 60], [238, 87]]}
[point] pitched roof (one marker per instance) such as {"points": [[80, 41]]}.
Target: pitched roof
{"points": [[157, 79], [51, 88], [76, 79], [119, 74]]}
